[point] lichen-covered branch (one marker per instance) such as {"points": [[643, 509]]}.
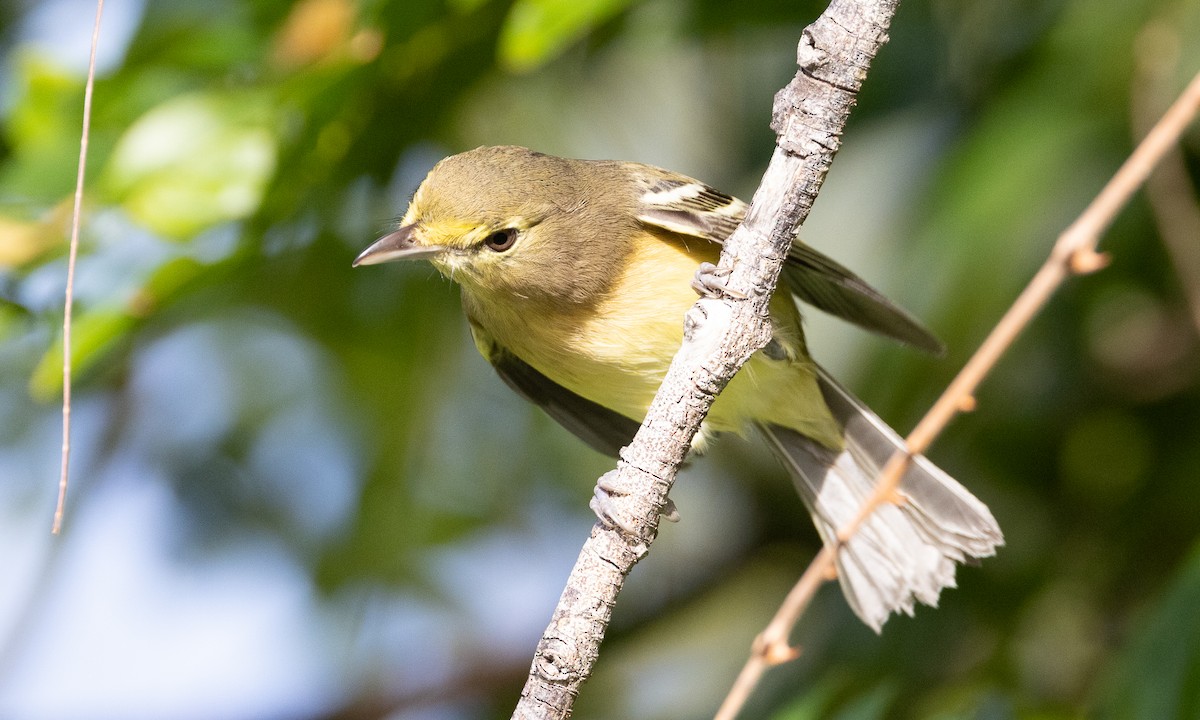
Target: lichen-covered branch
{"points": [[721, 334]]}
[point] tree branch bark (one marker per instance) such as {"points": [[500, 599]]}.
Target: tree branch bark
{"points": [[809, 116]]}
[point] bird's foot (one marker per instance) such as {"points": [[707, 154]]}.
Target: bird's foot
{"points": [[618, 509], [711, 281]]}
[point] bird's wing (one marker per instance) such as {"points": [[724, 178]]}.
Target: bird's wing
{"points": [[685, 206], [688, 207], [824, 283], [602, 429]]}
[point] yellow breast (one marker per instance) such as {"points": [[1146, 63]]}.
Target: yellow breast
{"points": [[617, 352]]}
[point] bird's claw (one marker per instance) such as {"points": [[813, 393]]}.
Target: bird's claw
{"points": [[615, 508], [711, 281]]}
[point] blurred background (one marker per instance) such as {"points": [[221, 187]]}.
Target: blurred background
{"points": [[298, 493]]}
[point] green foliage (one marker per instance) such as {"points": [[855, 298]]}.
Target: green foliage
{"points": [[535, 31], [1159, 674], [243, 153], [93, 334], [42, 130], [195, 161], [819, 703]]}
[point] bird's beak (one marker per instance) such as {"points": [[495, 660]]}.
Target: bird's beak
{"points": [[398, 245]]}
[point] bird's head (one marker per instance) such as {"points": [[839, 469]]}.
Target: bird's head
{"points": [[509, 223]]}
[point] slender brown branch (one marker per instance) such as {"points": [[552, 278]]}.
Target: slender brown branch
{"points": [[1073, 253], [1169, 190], [69, 300]]}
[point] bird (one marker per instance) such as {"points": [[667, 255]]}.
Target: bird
{"points": [[575, 277]]}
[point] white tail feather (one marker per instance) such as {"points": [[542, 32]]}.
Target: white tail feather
{"points": [[900, 553]]}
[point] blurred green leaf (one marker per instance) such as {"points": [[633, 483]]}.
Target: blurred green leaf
{"points": [[93, 334], [1159, 674], [466, 6], [168, 279], [826, 701], [194, 161], [535, 31], [813, 703], [42, 129], [11, 318], [871, 706]]}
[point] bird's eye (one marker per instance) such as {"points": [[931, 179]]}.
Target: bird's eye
{"points": [[501, 240]]}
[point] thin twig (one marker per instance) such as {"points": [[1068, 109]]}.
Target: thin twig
{"points": [[69, 300], [1169, 190], [1073, 253]]}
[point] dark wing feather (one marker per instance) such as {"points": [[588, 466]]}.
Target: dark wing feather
{"points": [[685, 206], [819, 281], [602, 429]]}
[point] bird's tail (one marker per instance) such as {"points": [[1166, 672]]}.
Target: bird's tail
{"points": [[902, 551]]}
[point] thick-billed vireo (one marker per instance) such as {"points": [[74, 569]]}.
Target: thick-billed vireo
{"points": [[576, 276]]}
